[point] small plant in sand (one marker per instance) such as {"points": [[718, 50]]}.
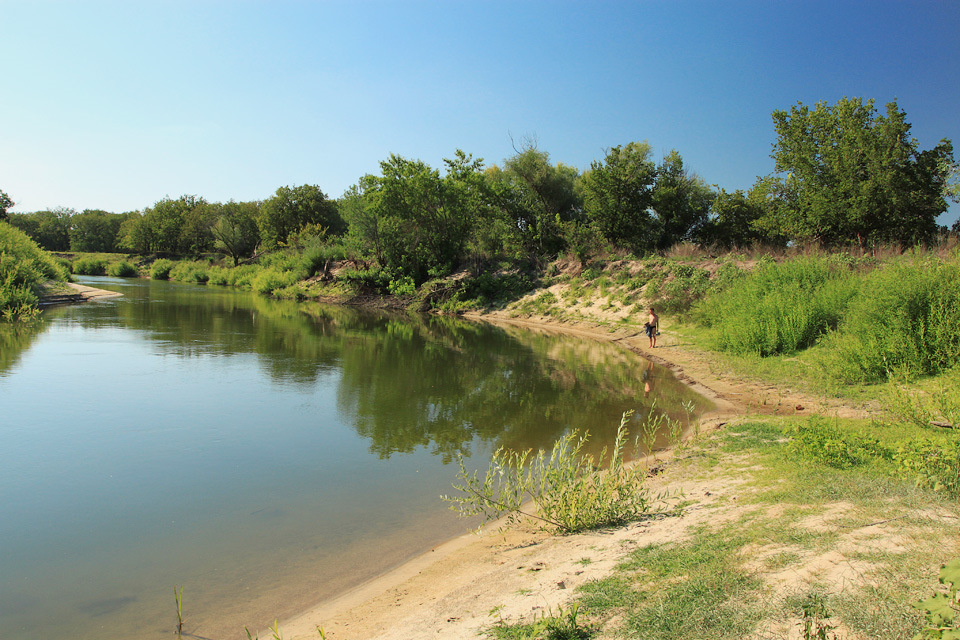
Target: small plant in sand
{"points": [[564, 625], [178, 598], [569, 489], [649, 429], [814, 612]]}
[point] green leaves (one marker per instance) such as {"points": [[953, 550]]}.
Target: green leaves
{"points": [[943, 610], [854, 176], [569, 490]]}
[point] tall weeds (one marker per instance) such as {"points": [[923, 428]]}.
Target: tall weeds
{"points": [[568, 488], [779, 307], [904, 320]]}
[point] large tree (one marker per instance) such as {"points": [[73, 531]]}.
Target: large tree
{"points": [[848, 175], [618, 194], [50, 229], [735, 221], [235, 230], [424, 220], [681, 202], [537, 197], [94, 230], [169, 226], [292, 208]]}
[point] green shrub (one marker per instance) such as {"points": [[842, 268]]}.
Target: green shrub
{"points": [[24, 267], [89, 266], [942, 610], [930, 464], [687, 285], [904, 319], [402, 286], [190, 272], [489, 288], [271, 280], [778, 308], [122, 269], [160, 269], [317, 254], [570, 492], [376, 280], [816, 440], [219, 276]]}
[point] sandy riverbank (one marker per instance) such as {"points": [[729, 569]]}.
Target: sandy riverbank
{"points": [[455, 590]]}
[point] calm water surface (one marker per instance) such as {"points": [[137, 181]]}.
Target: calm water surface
{"points": [[265, 455]]}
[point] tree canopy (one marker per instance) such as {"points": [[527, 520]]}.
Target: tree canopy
{"points": [[846, 173], [842, 174]]}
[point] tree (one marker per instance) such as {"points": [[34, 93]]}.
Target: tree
{"points": [[681, 202], [424, 220], [734, 221], [362, 217], [235, 230], [50, 229], [5, 203], [537, 197], [94, 230], [169, 226], [291, 208], [618, 194], [850, 175]]}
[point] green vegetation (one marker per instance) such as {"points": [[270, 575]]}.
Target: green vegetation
{"points": [[943, 609], [567, 488], [862, 321], [786, 504], [843, 177], [24, 268], [563, 625]]}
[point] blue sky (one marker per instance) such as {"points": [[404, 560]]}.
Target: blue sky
{"points": [[115, 105]]}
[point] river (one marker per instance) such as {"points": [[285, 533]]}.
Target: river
{"points": [[264, 455]]}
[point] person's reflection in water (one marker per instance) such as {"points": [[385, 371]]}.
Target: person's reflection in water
{"points": [[647, 378]]}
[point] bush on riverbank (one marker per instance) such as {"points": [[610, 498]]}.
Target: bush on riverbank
{"points": [[24, 267], [864, 322]]}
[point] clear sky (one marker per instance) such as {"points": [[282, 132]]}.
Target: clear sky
{"points": [[115, 105]]}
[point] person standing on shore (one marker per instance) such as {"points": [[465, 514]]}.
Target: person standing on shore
{"points": [[652, 327]]}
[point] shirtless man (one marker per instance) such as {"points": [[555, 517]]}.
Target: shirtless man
{"points": [[652, 327]]}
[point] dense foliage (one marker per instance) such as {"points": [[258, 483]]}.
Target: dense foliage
{"points": [[843, 175], [24, 267], [867, 321], [849, 174]]}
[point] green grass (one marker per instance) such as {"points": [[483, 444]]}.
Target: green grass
{"points": [[709, 582], [694, 589], [850, 321]]}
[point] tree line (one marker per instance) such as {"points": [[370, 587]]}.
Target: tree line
{"points": [[843, 174]]}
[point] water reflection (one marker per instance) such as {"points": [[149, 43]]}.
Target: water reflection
{"points": [[216, 439], [407, 380], [15, 339]]}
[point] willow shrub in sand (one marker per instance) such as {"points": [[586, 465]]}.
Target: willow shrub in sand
{"points": [[569, 488]]}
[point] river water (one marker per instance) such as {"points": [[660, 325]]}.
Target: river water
{"points": [[264, 455]]}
